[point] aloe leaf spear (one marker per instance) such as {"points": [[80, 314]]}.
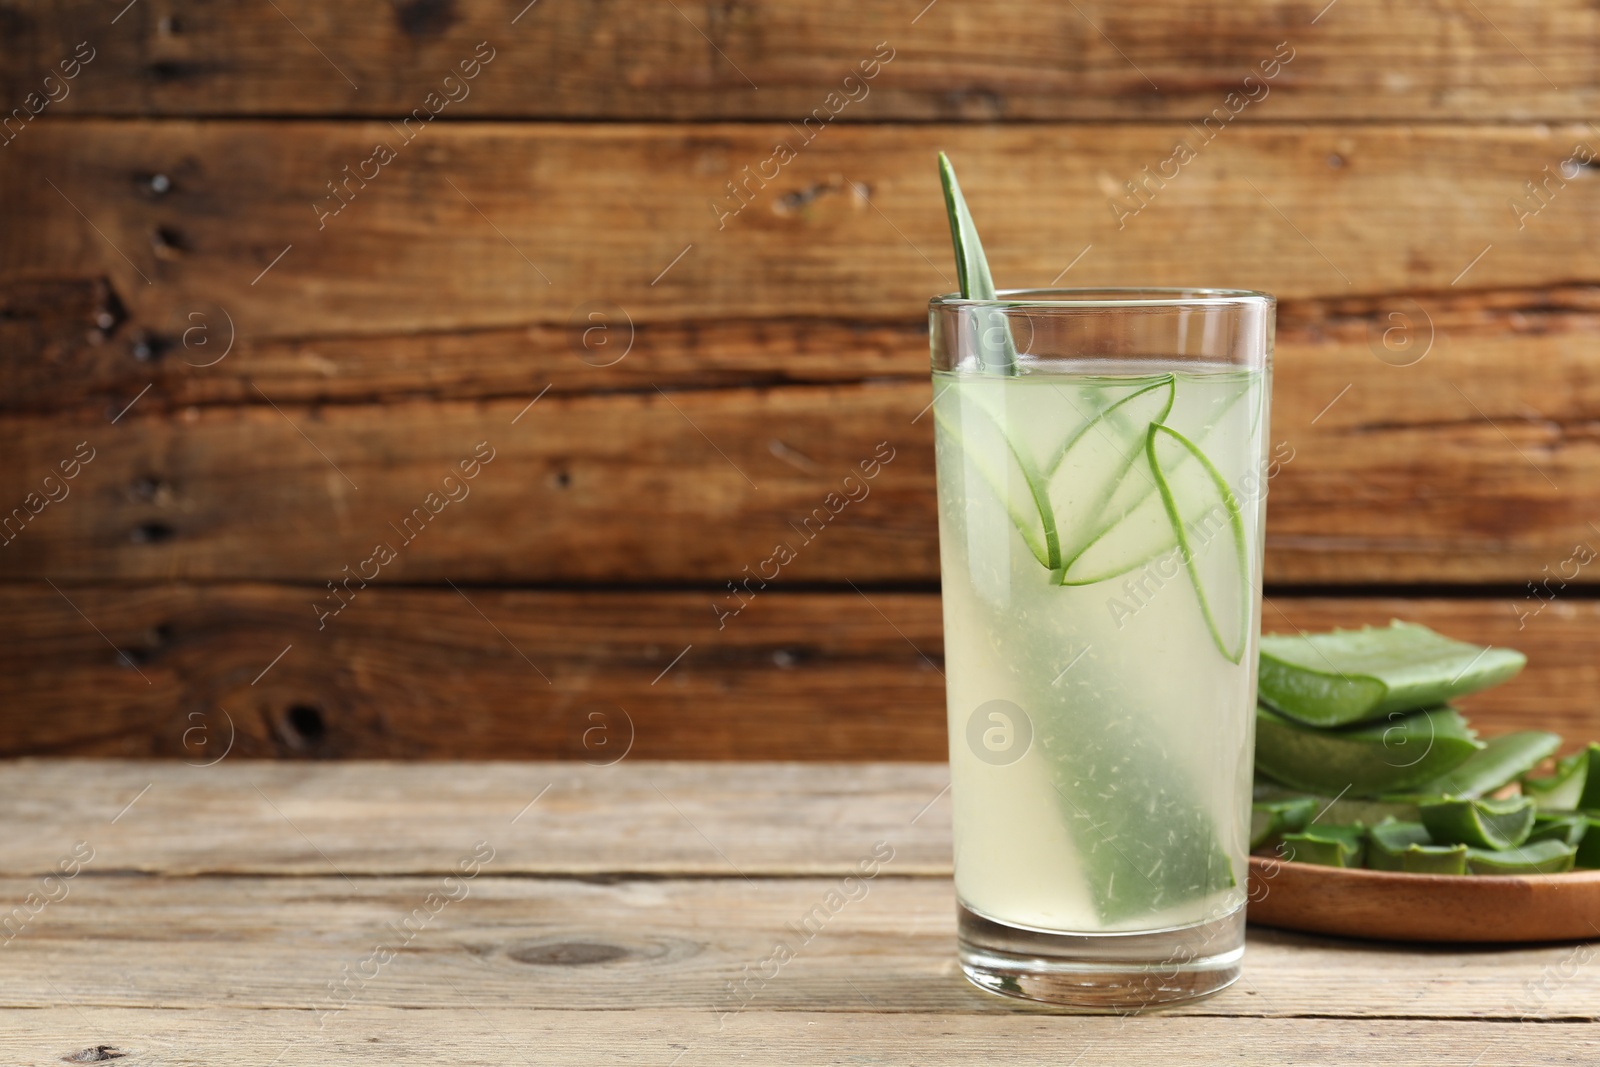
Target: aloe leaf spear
{"points": [[995, 346]]}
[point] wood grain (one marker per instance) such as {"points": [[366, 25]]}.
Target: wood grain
{"points": [[1522, 350], [668, 945], [619, 59], [496, 226], [1462, 468], [468, 1033], [361, 819], [595, 969], [419, 673]]}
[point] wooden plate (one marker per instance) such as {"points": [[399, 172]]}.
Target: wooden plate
{"points": [[1424, 907]]}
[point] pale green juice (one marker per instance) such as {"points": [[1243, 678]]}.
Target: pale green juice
{"points": [[1100, 525]]}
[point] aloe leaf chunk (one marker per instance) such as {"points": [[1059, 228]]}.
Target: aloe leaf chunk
{"points": [[996, 348], [1209, 527], [1369, 811], [1575, 828], [1569, 828], [1132, 529], [1104, 459], [1572, 787], [1541, 857], [1271, 819], [1407, 847], [1589, 847], [1502, 760], [1371, 760], [1350, 676], [1497, 824], [1328, 846], [1008, 472]]}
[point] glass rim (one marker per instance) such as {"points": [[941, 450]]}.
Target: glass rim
{"points": [[1109, 297]]}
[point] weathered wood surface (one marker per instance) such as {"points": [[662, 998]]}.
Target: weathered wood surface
{"points": [[369, 819], [1530, 352], [251, 962], [763, 59], [464, 1032], [668, 944], [495, 226], [1464, 471], [420, 673]]}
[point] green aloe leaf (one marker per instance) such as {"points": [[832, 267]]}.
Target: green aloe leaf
{"points": [[1542, 857], [1132, 530], [1329, 846], [1373, 760], [995, 346], [1498, 763], [1271, 819], [1007, 470], [1099, 461], [1350, 676], [1407, 846], [1497, 824], [1209, 528], [1568, 828], [1575, 785], [1343, 809]]}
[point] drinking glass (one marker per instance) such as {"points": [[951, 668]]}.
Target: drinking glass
{"points": [[1102, 495]]}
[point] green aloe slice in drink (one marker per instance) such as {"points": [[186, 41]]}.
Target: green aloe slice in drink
{"points": [[1101, 474], [1133, 531], [1015, 480], [995, 346], [1209, 527]]}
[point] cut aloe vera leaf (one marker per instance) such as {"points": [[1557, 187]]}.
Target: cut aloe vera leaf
{"points": [[1501, 761], [1271, 819], [1008, 472], [1480, 823], [1099, 460], [1588, 854], [1542, 857], [1209, 528], [1406, 846], [1329, 846], [1373, 760], [1369, 811], [1572, 787], [1147, 841], [1350, 676], [1567, 827], [996, 348], [1132, 530]]}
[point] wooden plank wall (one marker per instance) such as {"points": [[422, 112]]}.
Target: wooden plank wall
{"points": [[271, 273]]}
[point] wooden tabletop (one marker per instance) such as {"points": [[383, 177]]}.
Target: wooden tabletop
{"points": [[288, 914]]}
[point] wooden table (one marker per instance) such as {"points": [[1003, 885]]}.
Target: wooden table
{"points": [[271, 913]]}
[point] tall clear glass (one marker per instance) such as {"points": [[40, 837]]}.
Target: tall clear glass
{"points": [[1101, 507]]}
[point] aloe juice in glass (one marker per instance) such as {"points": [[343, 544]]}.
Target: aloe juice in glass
{"points": [[1101, 503]]}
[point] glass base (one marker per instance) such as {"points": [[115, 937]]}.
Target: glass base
{"points": [[1114, 971]]}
